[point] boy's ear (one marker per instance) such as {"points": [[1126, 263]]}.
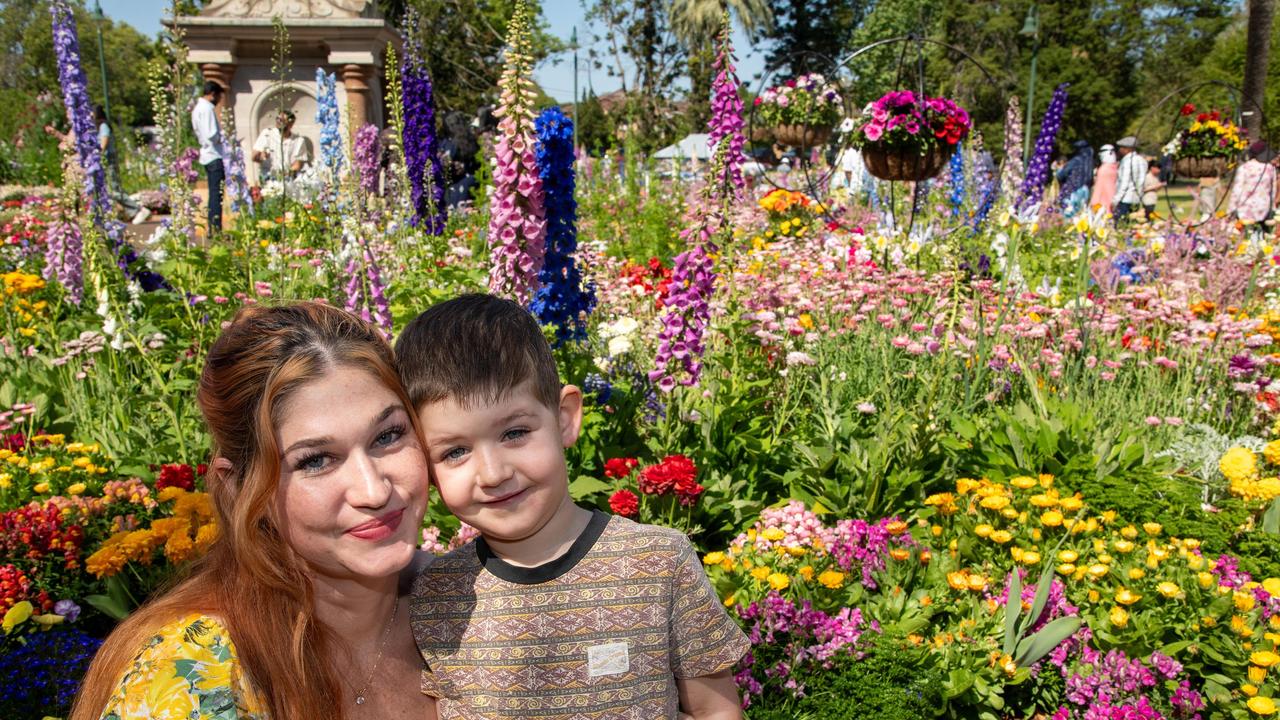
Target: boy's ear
{"points": [[570, 414]]}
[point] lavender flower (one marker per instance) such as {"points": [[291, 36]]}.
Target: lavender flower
{"points": [[421, 150], [328, 119], [1038, 170], [367, 157], [561, 301], [64, 258]]}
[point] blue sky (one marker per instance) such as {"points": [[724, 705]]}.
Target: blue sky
{"points": [[555, 75]]}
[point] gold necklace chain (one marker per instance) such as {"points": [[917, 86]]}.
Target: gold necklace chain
{"points": [[382, 645]]}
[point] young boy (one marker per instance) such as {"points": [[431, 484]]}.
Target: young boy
{"points": [[556, 611]]}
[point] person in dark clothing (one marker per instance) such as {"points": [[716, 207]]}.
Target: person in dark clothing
{"points": [[1076, 178], [458, 154]]}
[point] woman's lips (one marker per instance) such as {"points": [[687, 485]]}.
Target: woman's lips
{"points": [[379, 527]]}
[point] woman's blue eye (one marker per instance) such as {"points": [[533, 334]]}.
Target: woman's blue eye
{"points": [[311, 463], [390, 435], [454, 454]]}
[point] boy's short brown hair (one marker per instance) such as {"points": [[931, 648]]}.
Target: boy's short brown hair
{"points": [[475, 349]]}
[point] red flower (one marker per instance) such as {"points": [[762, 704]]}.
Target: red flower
{"points": [[15, 442], [624, 503], [619, 467], [176, 475], [1188, 109], [673, 473], [1202, 117], [688, 490]]}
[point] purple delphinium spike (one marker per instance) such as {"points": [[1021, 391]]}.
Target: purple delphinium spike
{"points": [[421, 149], [367, 156], [1038, 169]]}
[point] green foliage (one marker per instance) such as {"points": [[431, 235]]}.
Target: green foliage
{"points": [[595, 128], [812, 35], [1225, 63], [892, 681]]}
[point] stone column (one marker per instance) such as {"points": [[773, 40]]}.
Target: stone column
{"points": [[221, 73], [355, 78]]}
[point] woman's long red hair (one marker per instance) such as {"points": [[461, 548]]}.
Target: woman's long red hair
{"points": [[251, 579]]}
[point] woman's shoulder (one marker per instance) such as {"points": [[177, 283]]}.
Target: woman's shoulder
{"points": [[187, 668]]}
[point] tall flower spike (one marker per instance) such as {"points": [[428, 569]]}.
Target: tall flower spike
{"points": [[329, 120], [63, 259], [421, 150], [726, 113], [1038, 169], [75, 96], [517, 217], [561, 301], [1011, 176], [367, 155], [237, 183]]}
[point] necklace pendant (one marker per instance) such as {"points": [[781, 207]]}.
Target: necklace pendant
{"points": [[359, 699]]}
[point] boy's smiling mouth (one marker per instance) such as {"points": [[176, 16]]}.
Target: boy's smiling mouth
{"points": [[505, 498]]}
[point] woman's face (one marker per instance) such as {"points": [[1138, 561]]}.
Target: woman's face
{"points": [[353, 479]]}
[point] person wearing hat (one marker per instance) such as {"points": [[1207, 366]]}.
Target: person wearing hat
{"points": [[1104, 180], [1254, 191], [1130, 177]]}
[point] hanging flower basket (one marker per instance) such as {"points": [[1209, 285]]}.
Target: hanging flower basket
{"points": [[761, 134], [802, 135], [906, 165], [1200, 167]]}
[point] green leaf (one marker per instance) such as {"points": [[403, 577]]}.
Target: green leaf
{"points": [[964, 427], [1271, 520], [586, 485], [1042, 597], [1012, 606], [1050, 636], [957, 683], [108, 606]]}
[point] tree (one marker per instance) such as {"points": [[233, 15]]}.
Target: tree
{"points": [[1226, 62], [1257, 50], [464, 41], [696, 23], [812, 35], [595, 131]]}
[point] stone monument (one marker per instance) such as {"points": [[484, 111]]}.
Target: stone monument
{"points": [[231, 42]]}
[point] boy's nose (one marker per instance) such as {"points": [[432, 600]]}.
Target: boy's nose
{"points": [[492, 470]]}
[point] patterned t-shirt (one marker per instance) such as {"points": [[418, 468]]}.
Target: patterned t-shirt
{"points": [[600, 633], [187, 670]]}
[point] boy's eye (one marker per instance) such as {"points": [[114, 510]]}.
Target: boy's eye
{"points": [[515, 433]]}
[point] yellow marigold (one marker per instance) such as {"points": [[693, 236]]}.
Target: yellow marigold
{"points": [[778, 581], [774, 534], [1123, 546], [1030, 557], [170, 493], [1045, 500], [1072, 504], [1243, 601], [1068, 556], [964, 485], [983, 530], [899, 554], [977, 582], [1249, 689], [1238, 464], [1257, 674], [1262, 705], [1051, 518], [1066, 569], [1129, 532], [1272, 586], [833, 579], [1152, 528], [1137, 573], [1097, 570], [896, 527], [105, 562], [205, 536], [1001, 536], [179, 548], [1272, 452], [760, 573], [1170, 590], [711, 558]]}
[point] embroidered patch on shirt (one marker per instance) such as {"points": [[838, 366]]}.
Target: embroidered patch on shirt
{"points": [[610, 659]]}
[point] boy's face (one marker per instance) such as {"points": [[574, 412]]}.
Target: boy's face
{"points": [[500, 467]]}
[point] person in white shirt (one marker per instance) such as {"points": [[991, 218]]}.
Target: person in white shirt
{"points": [[204, 120], [1131, 176], [279, 153]]}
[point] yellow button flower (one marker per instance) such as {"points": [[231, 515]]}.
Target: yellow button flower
{"points": [[1249, 690], [1022, 482], [778, 581], [1066, 569], [1119, 616], [1097, 570], [713, 558], [1257, 674], [1001, 536], [995, 502], [831, 579], [983, 530], [1068, 556], [760, 573], [774, 534], [1169, 589], [1123, 546], [1125, 596], [1137, 573], [1152, 528], [1051, 518]]}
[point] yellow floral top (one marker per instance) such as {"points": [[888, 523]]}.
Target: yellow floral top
{"points": [[188, 670]]}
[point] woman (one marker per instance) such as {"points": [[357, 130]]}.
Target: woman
{"points": [[1104, 181], [320, 484], [111, 163], [1076, 178]]}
